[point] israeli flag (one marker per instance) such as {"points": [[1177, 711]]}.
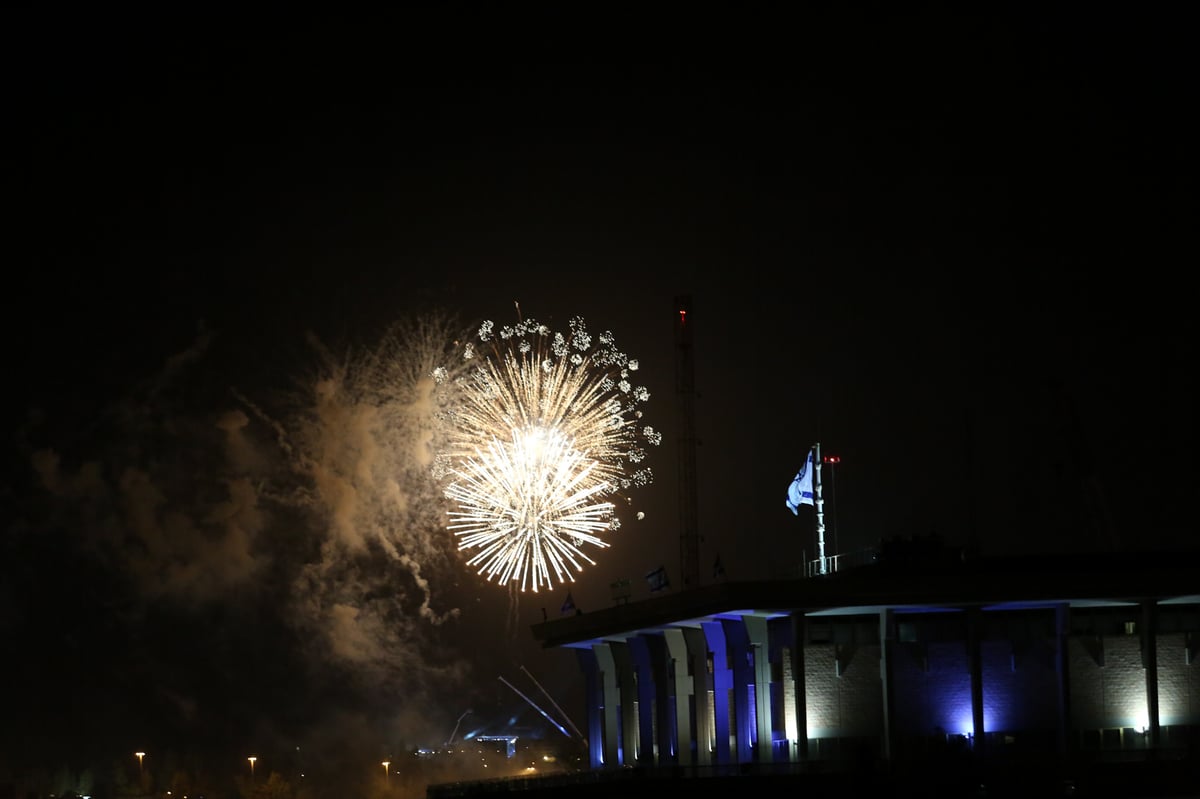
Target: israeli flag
{"points": [[800, 492], [657, 579]]}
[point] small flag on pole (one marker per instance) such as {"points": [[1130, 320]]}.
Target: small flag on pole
{"points": [[658, 579], [800, 492], [568, 605]]}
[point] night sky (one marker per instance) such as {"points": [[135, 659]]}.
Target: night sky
{"points": [[950, 250]]}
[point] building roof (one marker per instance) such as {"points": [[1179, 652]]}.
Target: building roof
{"points": [[945, 581]]}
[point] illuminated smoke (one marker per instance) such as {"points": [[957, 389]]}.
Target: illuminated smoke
{"points": [[357, 434], [545, 430], [296, 532]]}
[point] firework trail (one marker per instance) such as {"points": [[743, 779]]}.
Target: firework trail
{"points": [[542, 434]]}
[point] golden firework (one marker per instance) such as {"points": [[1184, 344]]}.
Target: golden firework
{"points": [[546, 429]]}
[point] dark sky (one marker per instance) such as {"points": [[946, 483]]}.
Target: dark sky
{"points": [[948, 249]]}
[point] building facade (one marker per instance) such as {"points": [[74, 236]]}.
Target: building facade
{"points": [[897, 664]]}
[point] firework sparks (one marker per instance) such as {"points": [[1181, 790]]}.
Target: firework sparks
{"points": [[547, 428]]}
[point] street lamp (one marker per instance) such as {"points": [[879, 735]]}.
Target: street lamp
{"points": [[386, 774], [252, 759], [139, 756]]}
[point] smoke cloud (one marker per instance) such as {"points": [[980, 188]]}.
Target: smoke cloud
{"points": [[271, 565]]}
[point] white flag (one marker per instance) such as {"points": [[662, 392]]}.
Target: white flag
{"points": [[800, 492]]}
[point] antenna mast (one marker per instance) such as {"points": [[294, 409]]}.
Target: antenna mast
{"points": [[685, 387]]}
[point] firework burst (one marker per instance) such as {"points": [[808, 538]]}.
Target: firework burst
{"points": [[545, 433]]}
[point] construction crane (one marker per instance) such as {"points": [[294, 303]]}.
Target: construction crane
{"points": [[454, 732]]}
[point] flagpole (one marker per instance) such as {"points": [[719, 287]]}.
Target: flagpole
{"points": [[820, 506]]}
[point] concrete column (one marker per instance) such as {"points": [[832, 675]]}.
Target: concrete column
{"points": [[593, 704], [887, 646], [760, 651], [702, 684], [1149, 630], [741, 658], [639, 654], [714, 632], [682, 691], [612, 702], [627, 690], [800, 689], [1062, 667], [666, 736], [974, 619]]}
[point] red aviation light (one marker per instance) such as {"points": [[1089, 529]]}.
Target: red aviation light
{"points": [[833, 459]]}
